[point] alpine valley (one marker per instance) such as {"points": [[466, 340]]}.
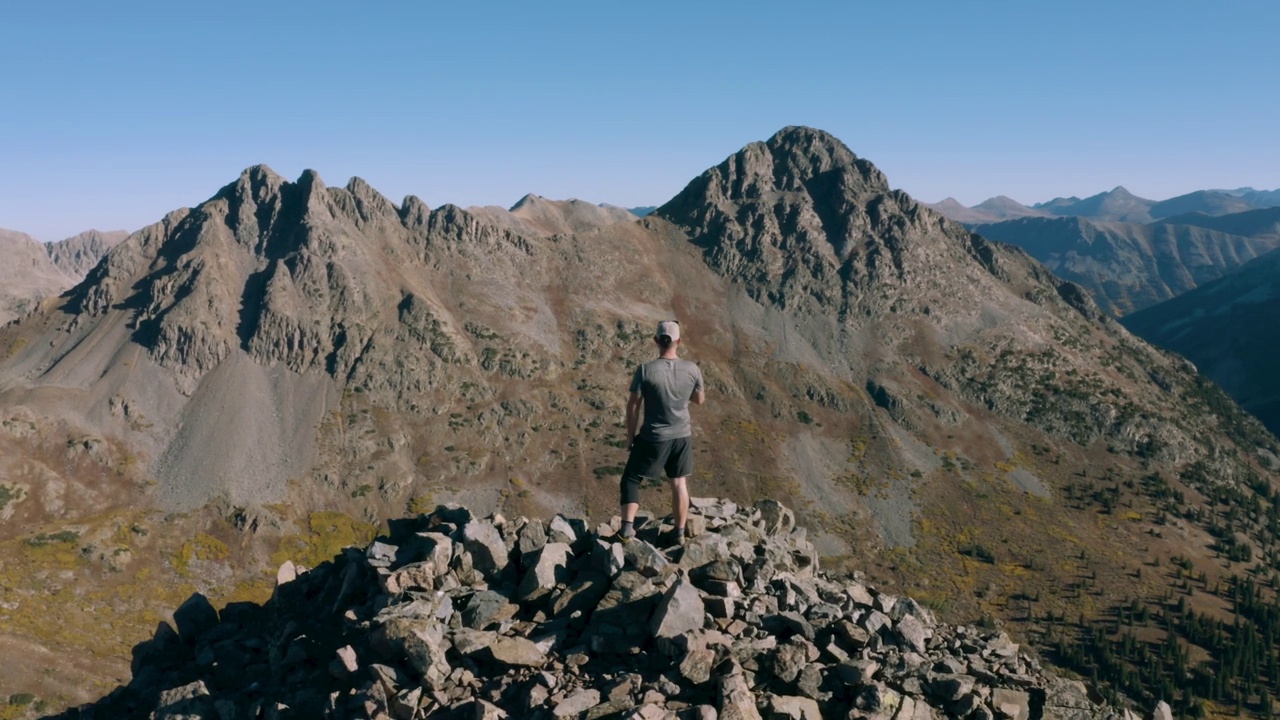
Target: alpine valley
{"points": [[274, 374]]}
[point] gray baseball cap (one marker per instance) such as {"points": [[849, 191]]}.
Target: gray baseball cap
{"points": [[670, 328]]}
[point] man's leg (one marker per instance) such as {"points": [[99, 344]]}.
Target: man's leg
{"points": [[679, 467], [639, 464], [679, 503]]}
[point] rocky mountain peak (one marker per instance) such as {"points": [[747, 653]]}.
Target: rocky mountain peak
{"points": [[457, 615], [794, 160]]}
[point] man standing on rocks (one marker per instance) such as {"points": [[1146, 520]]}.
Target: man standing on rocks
{"points": [[664, 387]]}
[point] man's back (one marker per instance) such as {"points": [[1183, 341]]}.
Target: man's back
{"points": [[666, 384]]}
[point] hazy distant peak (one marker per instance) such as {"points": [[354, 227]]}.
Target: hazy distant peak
{"points": [[529, 199]]}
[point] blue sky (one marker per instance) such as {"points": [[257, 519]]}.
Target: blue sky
{"points": [[112, 114]]}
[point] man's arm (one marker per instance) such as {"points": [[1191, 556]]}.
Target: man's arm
{"points": [[699, 396], [633, 417]]}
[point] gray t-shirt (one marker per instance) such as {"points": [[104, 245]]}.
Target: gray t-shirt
{"points": [[666, 386]]}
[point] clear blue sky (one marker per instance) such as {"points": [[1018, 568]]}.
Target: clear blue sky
{"points": [[113, 113]]}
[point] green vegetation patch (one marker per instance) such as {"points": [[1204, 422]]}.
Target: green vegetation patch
{"points": [[62, 537], [202, 547], [11, 493], [327, 534]]}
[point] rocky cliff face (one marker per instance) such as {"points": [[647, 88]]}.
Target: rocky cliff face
{"points": [[77, 255], [1127, 267], [457, 615], [930, 400]]}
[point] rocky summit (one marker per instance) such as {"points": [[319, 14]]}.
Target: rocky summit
{"points": [[460, 616]]}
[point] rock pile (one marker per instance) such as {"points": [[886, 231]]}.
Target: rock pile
{"points": [[453, 615]]}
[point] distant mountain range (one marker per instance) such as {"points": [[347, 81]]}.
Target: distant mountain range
{"points": [[1116, 205], [1131, 266], [1230, 329], [31, 271]]}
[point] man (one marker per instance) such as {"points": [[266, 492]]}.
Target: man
{"points": [[664, 388]]}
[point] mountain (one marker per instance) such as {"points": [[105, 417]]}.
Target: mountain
{"points": [[1116, 205], [271, 374], [1259, 223], [1207, 202], [33, 271], [1228, 329], [992, 210], [1257, 198], [1128, 267], [642, 210], [536, 215], [27, 275], [77, 255]]}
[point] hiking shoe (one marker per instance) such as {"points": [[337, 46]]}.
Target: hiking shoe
{"points": [[626, 535]]}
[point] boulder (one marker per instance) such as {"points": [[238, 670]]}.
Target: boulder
{"points": [[644, 558], [487, 608], [791, 707], [194, 617], [483, 542], [548, 571], [576, 704], [680, 611]]}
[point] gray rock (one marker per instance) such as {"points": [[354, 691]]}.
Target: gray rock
{"points": [[607, 558], [697, 665], [792, 707], [1062, 693], [487, 608], [549, 570], [287, 573], [577, 703], [1013, 704], [950, 688], [187, 702], [878, 698], [469, 642], [680, 611], [583, 595], [419, 643], [703, 550], [777, 519], [720, 607], [857, 672], [532, 537], [610, 707], [561, 531], [1162, 711], [913, 633], [380, 554], [516, 651], [194, 617], [345, 661], [736, 700], [484, 543], [488, 711], [859, 594], [789, 659], [644, 558]]}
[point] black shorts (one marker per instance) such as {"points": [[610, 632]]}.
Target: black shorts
{"points": [[649, 458]]}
